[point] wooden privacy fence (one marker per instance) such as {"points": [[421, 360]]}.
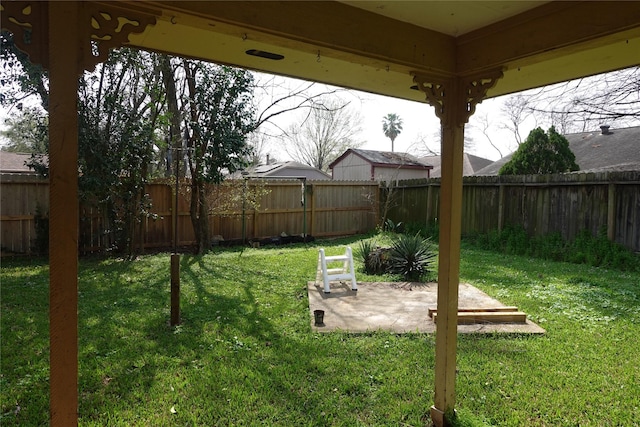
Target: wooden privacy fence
{"points": [[22, 196], [259, 209], [244, 210], [542, 204]]}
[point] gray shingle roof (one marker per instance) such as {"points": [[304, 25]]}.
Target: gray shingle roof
{"points": [[14, 162], [285, 169], [384, 158], [471, 164], [619, 149]]}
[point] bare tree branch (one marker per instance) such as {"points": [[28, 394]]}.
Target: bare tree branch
{"points": [[576, 105], [323, 133], [484, 125]]}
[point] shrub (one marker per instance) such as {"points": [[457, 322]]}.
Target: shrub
{"points": [[600, 251], [374, 258], [516, 240], [392, 227], [597, 251], [411, 256], [541, 153], [550, 246]]}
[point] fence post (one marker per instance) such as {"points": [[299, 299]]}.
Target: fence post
{"points": [[500, 206], [611, 212], [312, 208], [429, 202], [255, 220]]}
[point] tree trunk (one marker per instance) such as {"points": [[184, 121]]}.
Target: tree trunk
{"points": [[174, 112], [199, 206], [204, 240], [199, 211]]}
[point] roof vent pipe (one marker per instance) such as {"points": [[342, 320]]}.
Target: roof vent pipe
{"points": [[605, 129]]}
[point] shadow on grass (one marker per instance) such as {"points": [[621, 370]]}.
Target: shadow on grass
{"points": [[243, 339], [24, 349]]}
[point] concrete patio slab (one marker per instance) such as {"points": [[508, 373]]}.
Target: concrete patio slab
{"points": [[400, 307]]}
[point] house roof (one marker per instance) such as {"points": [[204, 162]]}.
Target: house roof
{"points": [[288, 169], [14, 162], [384, 159], [471, 164], [617, 149]]}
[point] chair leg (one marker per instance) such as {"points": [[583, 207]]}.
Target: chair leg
{"points": [[325, 275], [354, 285]]}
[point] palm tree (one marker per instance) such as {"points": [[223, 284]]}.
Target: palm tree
{"points": [[391, 126]]}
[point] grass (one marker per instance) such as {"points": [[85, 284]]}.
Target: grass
{"points": [[245, 353]]}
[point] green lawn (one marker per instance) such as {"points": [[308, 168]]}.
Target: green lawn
{"points": [[245, 353]]}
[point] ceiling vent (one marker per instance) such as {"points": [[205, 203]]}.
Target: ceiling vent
{"points": [[265, 55]]}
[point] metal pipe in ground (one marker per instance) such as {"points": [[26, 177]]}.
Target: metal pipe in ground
{"points": [[175, 289]]}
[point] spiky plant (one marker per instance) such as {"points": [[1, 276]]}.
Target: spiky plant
{"points": [[411, 256], [373, 257]]}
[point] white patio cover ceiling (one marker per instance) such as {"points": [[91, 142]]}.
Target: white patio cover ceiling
{"points": [[375, 46]]}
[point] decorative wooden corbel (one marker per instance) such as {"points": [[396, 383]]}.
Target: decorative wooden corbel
{"points": [[103, 26], [108, 26], [441, 91], [27, 21]]}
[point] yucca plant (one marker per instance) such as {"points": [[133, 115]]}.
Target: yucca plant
{"points": [[411, 256]]}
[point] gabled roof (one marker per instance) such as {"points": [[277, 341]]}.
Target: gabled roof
{"points": [[384, 159], [617, 149], [288, 169], [470, 166], [14, 162]]}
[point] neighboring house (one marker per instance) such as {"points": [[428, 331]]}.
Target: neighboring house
{"points": [[282, 170], [368, 165], [470, 165], [15, 163], [598, 151]]}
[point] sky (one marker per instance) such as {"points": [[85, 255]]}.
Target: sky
{"points": [[419, 123], [421, 127]]}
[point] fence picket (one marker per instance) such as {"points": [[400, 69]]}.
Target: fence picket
{"points": [[552, 203]]}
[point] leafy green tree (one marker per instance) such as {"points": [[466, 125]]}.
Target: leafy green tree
{"points": [[219, 116], [19, 77], [392, 127], [119, 105], [136, 111], [541, 153], [118, 110], [27, 132]]}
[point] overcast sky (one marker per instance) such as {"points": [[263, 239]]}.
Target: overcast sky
{"points": [[421, 127]]}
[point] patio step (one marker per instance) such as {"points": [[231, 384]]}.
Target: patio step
{"points": [[467, 316]]}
